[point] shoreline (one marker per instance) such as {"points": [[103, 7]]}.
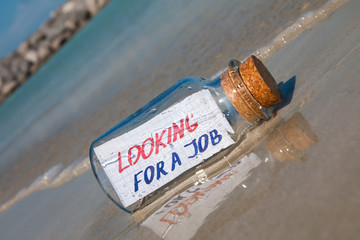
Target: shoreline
{"points": [[17, 67]]}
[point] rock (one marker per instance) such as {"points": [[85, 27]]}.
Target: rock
{"points": [[59, 41], [14, 63], [23, 66], [23, 48], [35, 38], [43, 53], [8, 87], [82, 17], [68, 7], [54, 29], [3, 78], [20, 78], [92, 6], [33, 68], [70, 25], [102, 3], [4, 72], [19, 67], [62, 38], [32, 53], [31, 56]]}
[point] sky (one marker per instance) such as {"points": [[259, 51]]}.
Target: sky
{"points": [[20, 18]]}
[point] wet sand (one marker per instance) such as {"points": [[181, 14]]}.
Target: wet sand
{"points": [[316, 199]]}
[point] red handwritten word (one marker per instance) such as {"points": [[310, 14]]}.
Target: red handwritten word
{"points": [[172, 135], [182, 209]]}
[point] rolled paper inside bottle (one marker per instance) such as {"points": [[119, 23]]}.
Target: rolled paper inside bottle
{"points": [[251, 88]]}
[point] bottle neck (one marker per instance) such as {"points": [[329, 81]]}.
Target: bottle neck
{"points": [[223, 98], [236, 120], [239, 94]]}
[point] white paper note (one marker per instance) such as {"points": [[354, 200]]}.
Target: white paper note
{"points": [[151, 155]]}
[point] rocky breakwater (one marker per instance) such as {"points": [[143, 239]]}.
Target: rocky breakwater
{"points": [[18, 66]]}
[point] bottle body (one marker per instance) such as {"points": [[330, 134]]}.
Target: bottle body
{"points": [[176, 94], [169, 140]]}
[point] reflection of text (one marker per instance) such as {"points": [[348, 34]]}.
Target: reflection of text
{"points": [[181, 216], [182, 208]]}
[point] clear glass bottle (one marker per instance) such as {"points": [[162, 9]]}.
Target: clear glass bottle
{"points": [[191, 124]]}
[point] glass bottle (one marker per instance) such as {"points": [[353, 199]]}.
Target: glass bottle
{"points": [[190, 125]]}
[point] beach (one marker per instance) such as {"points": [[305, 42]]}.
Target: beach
{"points": [[130, 53]]}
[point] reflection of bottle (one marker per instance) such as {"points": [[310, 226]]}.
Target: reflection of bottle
{"points": [[249, 180], [186, 125], [289, 142]]}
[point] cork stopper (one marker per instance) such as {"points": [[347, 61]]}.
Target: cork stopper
{"points": [[290, 141], [250, 88], [260, 82]]}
